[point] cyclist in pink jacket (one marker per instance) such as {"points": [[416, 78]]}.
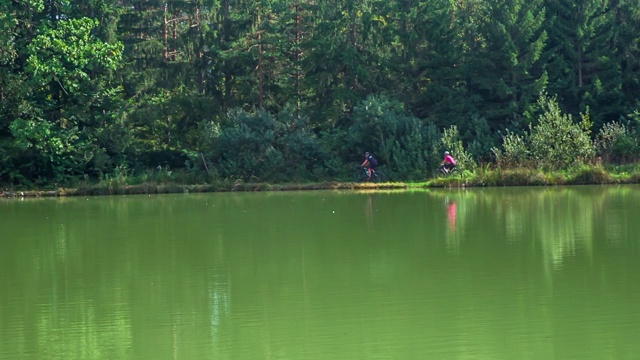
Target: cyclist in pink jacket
{"points": [[448, 163]]}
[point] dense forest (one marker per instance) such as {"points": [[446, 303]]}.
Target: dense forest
{"points": [[298, 90]]}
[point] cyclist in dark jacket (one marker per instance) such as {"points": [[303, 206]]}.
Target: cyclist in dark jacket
{"points": [[371, 163]]}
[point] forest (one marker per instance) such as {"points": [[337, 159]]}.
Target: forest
{"points": [[197, 91]]}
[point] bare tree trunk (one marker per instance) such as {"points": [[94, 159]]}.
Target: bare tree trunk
{"points": [[260, 71], [225, 11], [165, 32], [204, 162], [580, 80], [297, 39]]}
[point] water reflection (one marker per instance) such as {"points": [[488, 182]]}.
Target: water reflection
{"points": [[452, 215], [453, 239], [563, 221], [479, 273]]}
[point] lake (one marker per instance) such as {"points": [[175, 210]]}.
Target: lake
{"points": [[498, 273]]}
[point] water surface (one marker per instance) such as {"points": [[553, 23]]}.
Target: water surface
{"points": [[505, 273]]}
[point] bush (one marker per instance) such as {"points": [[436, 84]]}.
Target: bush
{"points": [[615, 143], [556, 142], [257, 146], [403, 142], [451, 141], [516, 151]]}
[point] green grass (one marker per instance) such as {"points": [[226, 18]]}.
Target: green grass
{"points": [[582, 175]]}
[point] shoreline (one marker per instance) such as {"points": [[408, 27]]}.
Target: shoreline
{"points": [[148, 189], [482, 178]]}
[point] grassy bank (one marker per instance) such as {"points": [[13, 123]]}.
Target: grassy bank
{"points": [[584, 175], [483, 177], [172, 188]]}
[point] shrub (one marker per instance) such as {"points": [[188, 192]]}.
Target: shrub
{"points": [[557, 142], [451, 141], [615, 143], [403, 142], [257, 146], [516, 151], [554, 142]]}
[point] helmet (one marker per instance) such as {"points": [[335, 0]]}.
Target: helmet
{"points": [[446, 153]]}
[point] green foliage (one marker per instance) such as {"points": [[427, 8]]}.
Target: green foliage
{"points": [[626, 149], [451, 142], [616, 143], [87, 86], [479, 137], [514, 39], [584, 55], [67, 53], [585, 174], [51, 120], [257, 146], [516, 150], [400, 141], [514, 177], [303, 154], [7, 37], [64, 151], [608, 137], [556, 141]]}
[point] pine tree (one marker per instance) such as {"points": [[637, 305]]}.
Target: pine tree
{"points": [[626, 49], [582, 71], [431, 36], [508, 74], [346, 54]]}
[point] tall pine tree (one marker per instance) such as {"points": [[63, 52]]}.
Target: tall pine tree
{"points": [[582, 70]]}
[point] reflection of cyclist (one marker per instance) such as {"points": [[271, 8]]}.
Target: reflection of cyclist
{"points": [[371, 163], [451, 215], [448, 163]]}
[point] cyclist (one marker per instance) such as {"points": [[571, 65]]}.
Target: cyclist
{"points": [[371, 163], [448, 163]]}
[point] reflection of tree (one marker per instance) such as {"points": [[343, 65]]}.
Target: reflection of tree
{"points": [[569, 220], [562, 220], [564, 225], [95, 275], [219, 297]]}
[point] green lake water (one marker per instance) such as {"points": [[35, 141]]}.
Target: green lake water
{"points": [[501, 273]]}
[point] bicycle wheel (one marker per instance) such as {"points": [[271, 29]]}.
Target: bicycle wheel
{"points": [[456, 172], [379, 176], [438, 173], [359, 176]]}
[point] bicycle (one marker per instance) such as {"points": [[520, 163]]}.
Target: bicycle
{"points": [[361, 175], [441, 172]]}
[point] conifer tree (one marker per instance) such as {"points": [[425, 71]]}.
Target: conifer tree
{"points": [[346, 50], [434, 61], [581, 59], [626, 47], [508, 73]]}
